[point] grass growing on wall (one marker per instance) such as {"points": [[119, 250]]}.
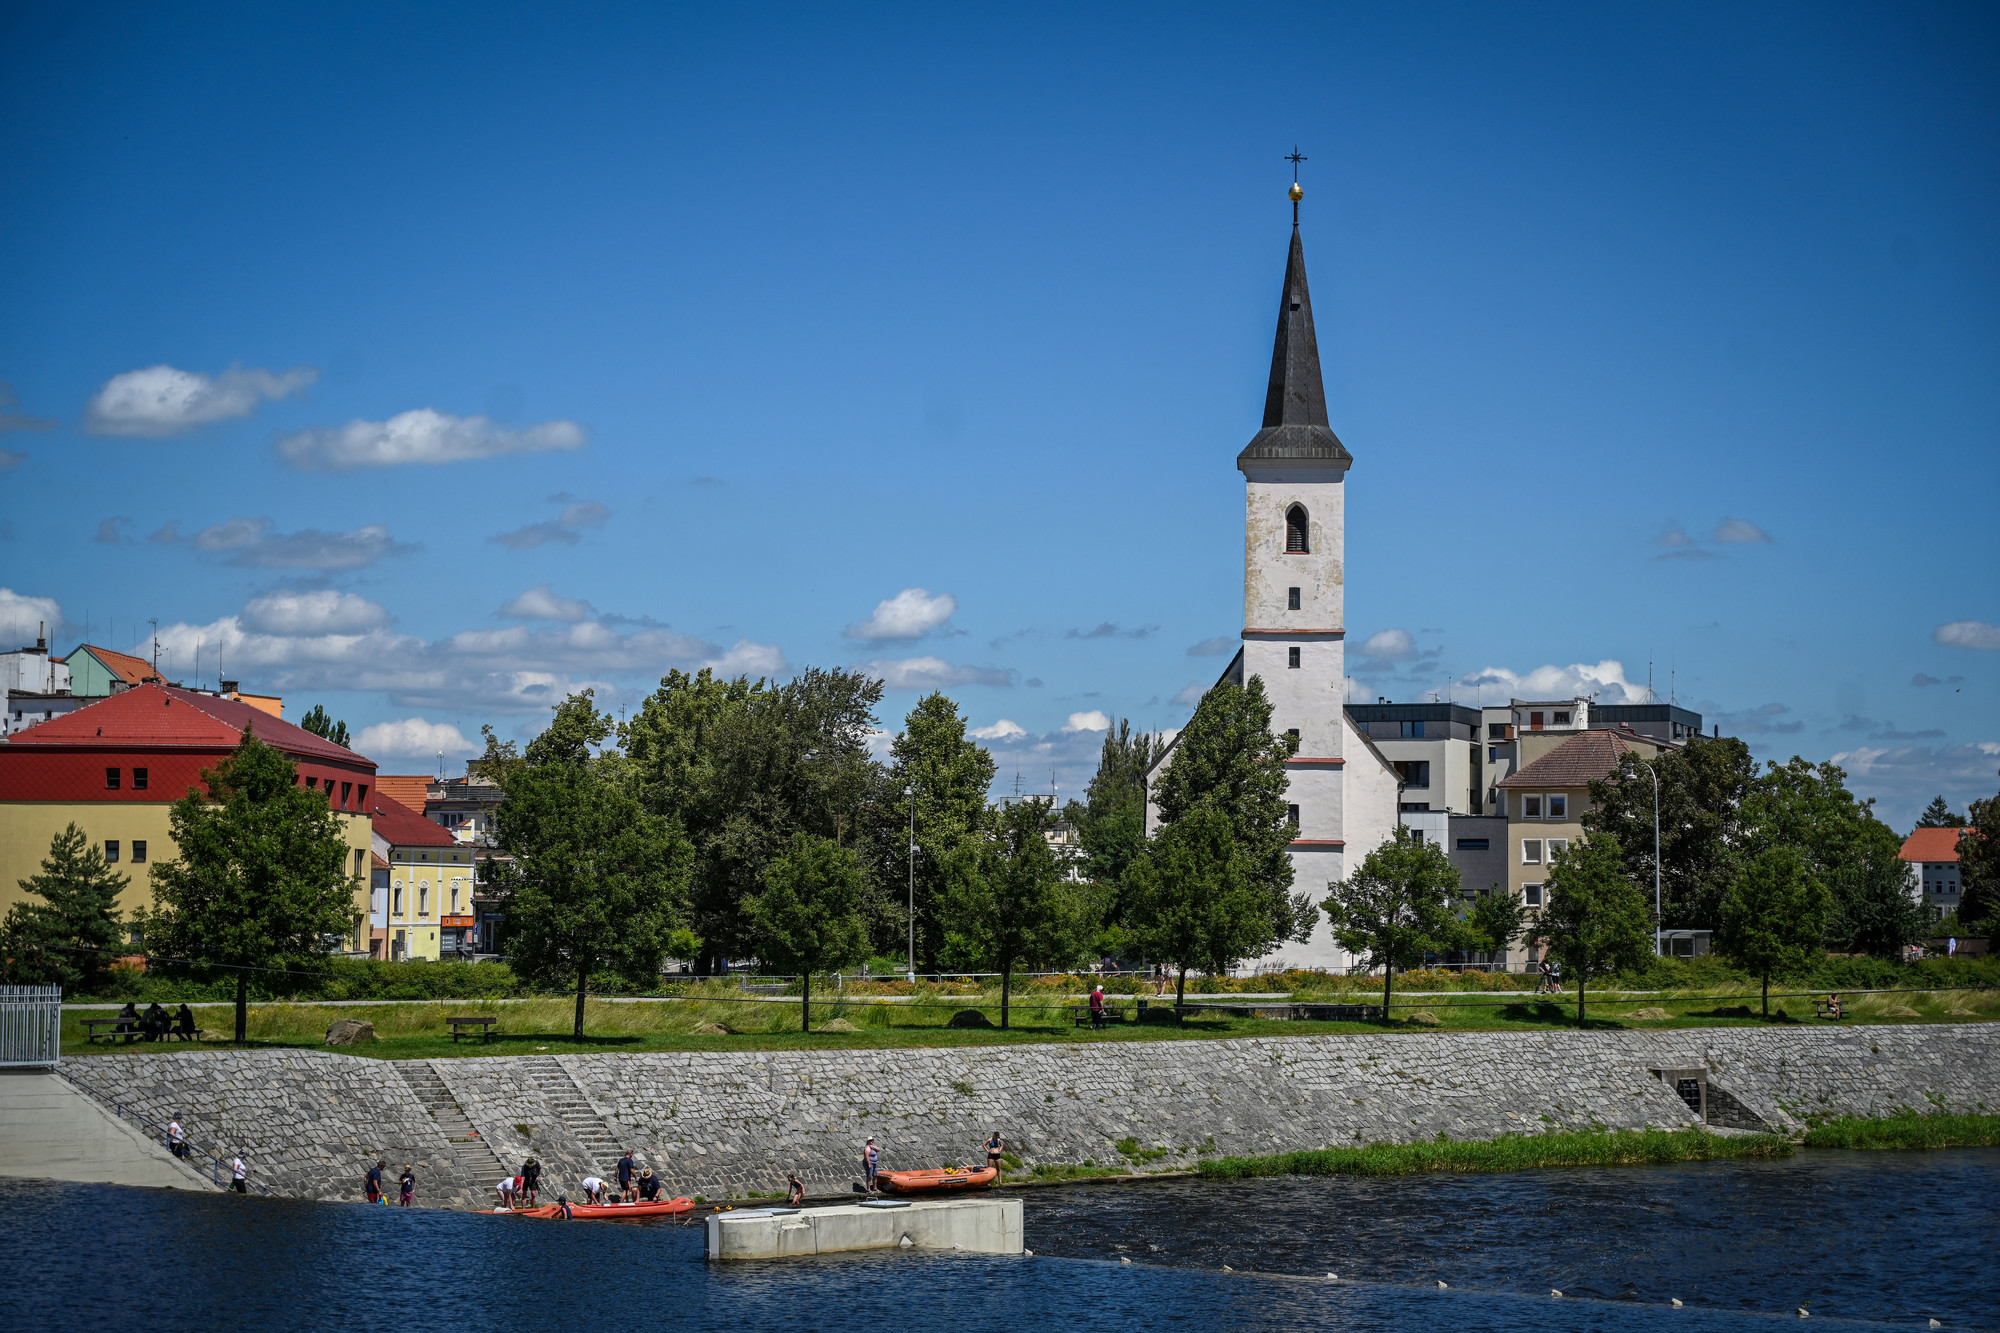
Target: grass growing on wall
{"points": [[1934, 1129], [1514, 1152]]}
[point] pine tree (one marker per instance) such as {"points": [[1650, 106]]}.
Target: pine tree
{"points": [[946, 776], [67, 939], [1939, 814], [1111, 822]]}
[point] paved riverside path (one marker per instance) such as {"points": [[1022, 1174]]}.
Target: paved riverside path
{"points": [[50, 1130], [724, 1124]]}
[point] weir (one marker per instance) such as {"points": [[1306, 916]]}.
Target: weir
{"points": [[985, 1225]]}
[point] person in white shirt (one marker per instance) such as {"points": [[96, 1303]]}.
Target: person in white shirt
{"points": [[505, 1189], [237, 1174], [176, 1138], [593, 1190]]}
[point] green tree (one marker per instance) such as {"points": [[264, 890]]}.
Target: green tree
{"points": [[320, 723], [1808, 807], [1703, 788], [1495, 920], [1197, 898], [808, 918], [1396, 907], [68, 938], [1939, 814], [1596, 921], [1011, 899], [1111, 820], [945, 776], [1227, 760], [1775, 916], [1979, 868], [743, 766], [259, 878], [591, 881]]}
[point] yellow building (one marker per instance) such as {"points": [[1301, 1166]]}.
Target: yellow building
{"points": [[428, 886], [115, 767]]}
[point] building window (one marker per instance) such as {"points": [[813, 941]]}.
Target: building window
{"points": [[363, 793], [138, 851], [1531, 807], [1496, 731], [396, 903], [1292, 813], [1472, 844], [1531, 851], [1291, 599], [1560, 720], [1291, 660], [424, 901], [138, 779], [1557, 846], [1414, 772], [1558, 807], [1410, 731], [1292, 740], [1492, 754], [1416, 837], [111, 850], [312, 782], [1297, 542], [111, 776], [346, 790], [1531, 895], [454, 897]]}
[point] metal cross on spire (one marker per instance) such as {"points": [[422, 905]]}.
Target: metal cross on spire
{"points": [[1298, 191]]}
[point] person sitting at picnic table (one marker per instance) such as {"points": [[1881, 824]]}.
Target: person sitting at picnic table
{"points": [[184, 1023], [128, 1018], [156, 1022], [1832, 1005], [649, 1185]]}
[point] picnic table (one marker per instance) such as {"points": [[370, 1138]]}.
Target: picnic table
{"points": [[484, 1022], [129, 1029]]}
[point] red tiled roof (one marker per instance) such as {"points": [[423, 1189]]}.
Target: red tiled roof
{"points": [[1932, 844], [409, 789], [132, 670], [375, 862], [1577, 762], [401, 826], [161, 715]]}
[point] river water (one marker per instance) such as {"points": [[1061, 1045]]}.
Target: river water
{"points": [[1889, 1239]]}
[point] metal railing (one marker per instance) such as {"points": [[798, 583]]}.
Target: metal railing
{"points": [[30, 1027], [219, 1171]]}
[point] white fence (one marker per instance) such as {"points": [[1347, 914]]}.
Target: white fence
{"points": [[30, 1026]]}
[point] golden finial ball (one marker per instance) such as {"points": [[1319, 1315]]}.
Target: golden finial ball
{"points": [[1297, 192]]}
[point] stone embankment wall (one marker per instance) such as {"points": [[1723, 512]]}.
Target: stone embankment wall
{"points": [[723, 1124]]}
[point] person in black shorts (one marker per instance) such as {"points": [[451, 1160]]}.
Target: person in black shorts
{"points": [[531, 1179], [795, 1190], [626, 1170], [995, 1146]]}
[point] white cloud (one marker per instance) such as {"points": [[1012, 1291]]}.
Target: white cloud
{"points": [[421, 436], [323, 612], [1605, 679], [1003, 730], [1212, 647], [1390, 645], [1903, 778], [161, 400], [910, 614], [20, 614], [542, 603], [1191, 696], [934, 673], [256, 543], [1094, 720], [566, 527], [412, 737], [1968, 634], [1733, 531]]}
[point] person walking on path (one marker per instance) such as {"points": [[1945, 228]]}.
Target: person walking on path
{"points": [[531, 1180], [871, 1162], [372, 1182], [626, 1171], [407, 1187], [1097, 1006], [239, 1175], [177, 1139]]}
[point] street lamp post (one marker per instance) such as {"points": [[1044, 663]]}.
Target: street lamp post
{"points": [[1654, 775], [910, 792]]}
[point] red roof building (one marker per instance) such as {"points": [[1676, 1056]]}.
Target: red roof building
{"points": [[116, 766], [1932, 855]]}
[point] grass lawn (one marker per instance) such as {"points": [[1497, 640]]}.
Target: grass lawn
{"points": [[417, 1030]]}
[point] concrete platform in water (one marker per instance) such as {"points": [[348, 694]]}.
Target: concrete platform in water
{"points": [[987, 1224]]}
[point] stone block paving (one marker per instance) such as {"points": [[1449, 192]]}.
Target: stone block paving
{"points": [[722, 1124]]}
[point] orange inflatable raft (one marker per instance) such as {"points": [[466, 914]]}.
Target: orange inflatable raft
{"points": [[935, 1182], [661, 1208]]}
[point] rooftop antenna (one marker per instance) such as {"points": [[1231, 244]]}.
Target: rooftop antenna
{"points": [[156, 645], [440, 763], [1297, 191], [1651, 697]]}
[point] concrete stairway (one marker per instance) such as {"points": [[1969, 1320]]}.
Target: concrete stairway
{"points": [[476, 1165], [579, 1117]]}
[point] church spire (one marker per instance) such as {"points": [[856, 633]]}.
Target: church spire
{"points": [[1295, 422]]}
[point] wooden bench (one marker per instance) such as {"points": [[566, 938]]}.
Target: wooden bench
{"points": [[1832, 1010], [130, 1031], [484, 1022], [186, 1034]]}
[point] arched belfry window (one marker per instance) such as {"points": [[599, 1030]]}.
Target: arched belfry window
{"points": [[1297, 542]]}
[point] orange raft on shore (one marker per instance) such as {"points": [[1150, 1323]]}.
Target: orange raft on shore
{"points": [[935, 1182], [662, 1208]]}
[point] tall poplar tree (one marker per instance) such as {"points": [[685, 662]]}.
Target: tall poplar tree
{"points": [[1111, 819], [259, 876], [945, 777]]}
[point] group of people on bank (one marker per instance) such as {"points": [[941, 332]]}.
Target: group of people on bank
{"points": [[156, 1024], [635, 1184]]}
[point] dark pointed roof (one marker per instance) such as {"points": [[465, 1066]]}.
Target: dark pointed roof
{"points": [[1295, 425]]}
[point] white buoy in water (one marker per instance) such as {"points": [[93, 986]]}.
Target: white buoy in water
{"points": [[1123, 1260], [1553, 1292], [1804, 1313], [1227, 1269], [1677, 1302], [1937, 1323], [1028, 1253], [1442, 1286], [1333, 1277]]}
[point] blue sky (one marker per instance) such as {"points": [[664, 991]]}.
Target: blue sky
{"points": [[434, 361]]}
